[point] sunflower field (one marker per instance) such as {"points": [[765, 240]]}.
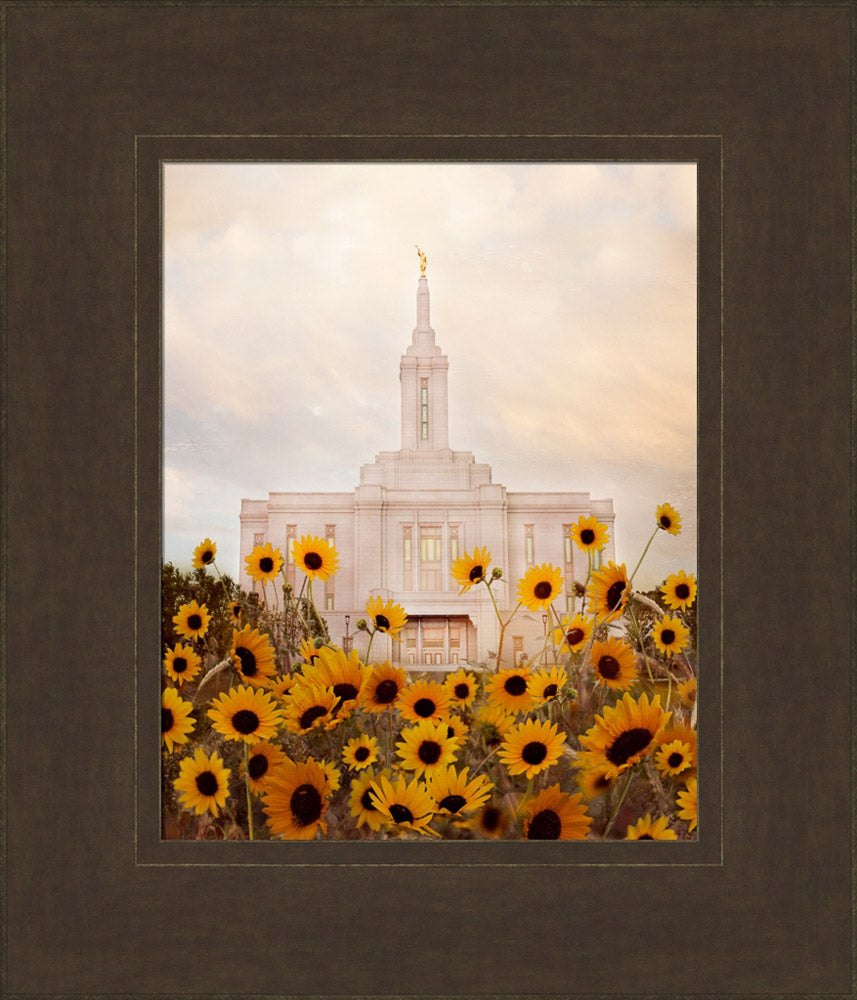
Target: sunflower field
{"points": [[271, 731]]}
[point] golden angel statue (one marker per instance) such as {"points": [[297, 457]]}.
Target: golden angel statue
{"points": [[423, 261]]}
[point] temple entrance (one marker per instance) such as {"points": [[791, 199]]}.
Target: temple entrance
{"points": [[432, 642]]}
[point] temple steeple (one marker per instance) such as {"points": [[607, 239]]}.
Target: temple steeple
{"points": [[423, 376]]}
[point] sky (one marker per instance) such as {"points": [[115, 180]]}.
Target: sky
{"points": [[563, 294]]}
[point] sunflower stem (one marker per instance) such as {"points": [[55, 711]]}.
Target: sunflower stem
{"points": [[639, 632], [247, 789], [371, 637], [389, 736], [612, 820], [642, 557]]}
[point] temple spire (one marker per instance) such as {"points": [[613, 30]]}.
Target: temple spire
{"points": [[423, 335]]}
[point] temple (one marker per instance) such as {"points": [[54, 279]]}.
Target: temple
{"points": [[412, 514]]}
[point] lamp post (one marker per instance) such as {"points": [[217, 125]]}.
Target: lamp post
{"points": [[346, 639], [545, 625]]}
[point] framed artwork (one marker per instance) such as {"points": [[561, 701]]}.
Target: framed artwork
{"points": [[112, 112]]}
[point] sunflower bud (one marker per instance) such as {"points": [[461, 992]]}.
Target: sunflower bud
{"points": [[496, 573], [362, 626], [318, 642], [579, 589]]}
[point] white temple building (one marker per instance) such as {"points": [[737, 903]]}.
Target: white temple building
{"points": [[412, 514]]}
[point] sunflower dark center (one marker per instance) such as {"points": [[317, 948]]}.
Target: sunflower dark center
{"points": [[313, 561], [675, 759], [491, 817], [545, 825], [543, 589], [614, 595], [461, 691], [345, 692], [602, 781], [452, 802], [429, 752], [206, 783], [382, 621], [515, 685], [682, 591], [400, 813], [629, 743], [311, 714], [207, 556], [587, 536], [550, 691], [245, 721], [305, 804], [179, 665], [257, 766], [386, 692], [424, 707], [646, 836], [248, 661], [666, 521], [667, 636], [475, 574], [194, 622], [534, 752], [361, 753], [574, 636], [166, 720], [266, 564], [367, 803], [608, 667]]}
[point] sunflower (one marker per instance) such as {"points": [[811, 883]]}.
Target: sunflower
{"points": [[181, 664], [453, 793], [545, 685], [307, 651], [649, 829], [625, 733], [489, 822], [495, 722], [360, 803], [424, 700], [614, 663], [316, 557], [673, 758], [426, 747], [204, 553], [461, 687], [589, 533], [295, 799], [383, 686], [669, 519], [202, 783], [687, 691], [553, 815], [511, 690], [262, 758], [407, 805], [361, 751], [235, 611], [670, 635], [541, 585], [385, 616], [531, 747], [344, 673], [281, 684], [456, 728], [192, 620], [684, 733], [594, 781], [679, 590], [608, 591], [332, 772], [176, 723], [689, 804], [471, 570], [264, 563], [245, 713], [575, 631], [310, 706], [253, 656]]}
